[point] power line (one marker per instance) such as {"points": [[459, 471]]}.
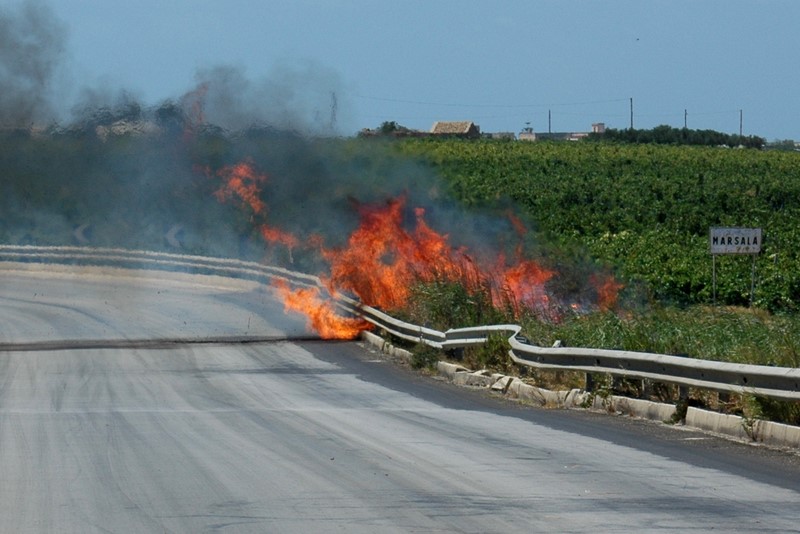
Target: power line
{"points": [[485, 105], [543, 106]]}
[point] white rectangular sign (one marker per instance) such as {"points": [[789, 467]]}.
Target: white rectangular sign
{"points": [[735, 240]]}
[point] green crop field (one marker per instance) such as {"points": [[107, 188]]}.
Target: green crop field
{"points": [[645, 210]]}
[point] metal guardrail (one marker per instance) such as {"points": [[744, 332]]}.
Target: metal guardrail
{"points": [[155, 260], [775, 382]]}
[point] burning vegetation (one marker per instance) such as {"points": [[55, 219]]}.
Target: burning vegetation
{"points": [[393, 250]]}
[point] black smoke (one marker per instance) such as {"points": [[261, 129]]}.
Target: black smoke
{"points": [[122, 172]]}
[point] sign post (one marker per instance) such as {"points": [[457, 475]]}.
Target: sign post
{"points": [[734, 241]]}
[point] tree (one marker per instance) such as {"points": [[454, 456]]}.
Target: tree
{"points": [[388, 127]]}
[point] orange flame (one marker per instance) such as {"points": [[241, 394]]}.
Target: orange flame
{"points": [[382, 259], [525, 284], [242, 181], [607, 291], [321, 316], [275, 235]]}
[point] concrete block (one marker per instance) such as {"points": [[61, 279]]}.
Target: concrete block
{"points": [[478, 379], [729, 425], [529, 393], [601, 404], [372, 339], [554, 399], [574, 398], [384, 346], [777, 434], [449, 370], [460, 379], [514, 388], [655, 411], [399, 353], [502, 384]]}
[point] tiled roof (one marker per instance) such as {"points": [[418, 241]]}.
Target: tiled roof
{"points": [[455, 127]]}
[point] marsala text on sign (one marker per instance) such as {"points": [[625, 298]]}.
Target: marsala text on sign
{"points": [[735, 240]]}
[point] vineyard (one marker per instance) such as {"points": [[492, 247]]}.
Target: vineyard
{"points": [[645, 210]]}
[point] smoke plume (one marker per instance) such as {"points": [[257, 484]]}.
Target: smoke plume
{"points": [[31, 49], [301, 98]]}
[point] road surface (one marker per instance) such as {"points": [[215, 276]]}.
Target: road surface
{"points": [[291, 434]]}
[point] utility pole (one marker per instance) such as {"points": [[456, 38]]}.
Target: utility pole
{"points": [[334, 106], [549, 123], [631, 113], [685, 113], [740, 123]]}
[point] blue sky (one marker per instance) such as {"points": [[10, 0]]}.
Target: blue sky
{"points": [[501, 64]]}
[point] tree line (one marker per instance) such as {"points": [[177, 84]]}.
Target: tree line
{"points": [[667, 135]]}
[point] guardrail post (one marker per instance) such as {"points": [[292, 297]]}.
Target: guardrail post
{"points": [[682, 405], [589, 382], [616, 384]]}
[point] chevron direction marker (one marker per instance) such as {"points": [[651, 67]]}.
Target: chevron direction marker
{"points": [[173, 236], [79, 234]]}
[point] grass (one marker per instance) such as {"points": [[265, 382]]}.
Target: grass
{"points": [[738, 335]]}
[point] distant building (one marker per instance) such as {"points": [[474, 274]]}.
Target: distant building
{"points": [[527, 134], [508, 136], [398, 131], [466, 129]]}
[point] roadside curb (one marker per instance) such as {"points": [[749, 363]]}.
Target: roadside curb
{"points": [[730, 426]]}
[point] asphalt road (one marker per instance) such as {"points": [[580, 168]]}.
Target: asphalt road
{"points": [[276, 432]]}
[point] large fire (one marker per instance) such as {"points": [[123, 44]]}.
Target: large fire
{"points": [[383, 258]]}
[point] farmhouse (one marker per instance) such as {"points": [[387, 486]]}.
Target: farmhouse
{"points": [[467, 129]]}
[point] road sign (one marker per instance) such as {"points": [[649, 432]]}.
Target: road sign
{"points": [[735, 240]]}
